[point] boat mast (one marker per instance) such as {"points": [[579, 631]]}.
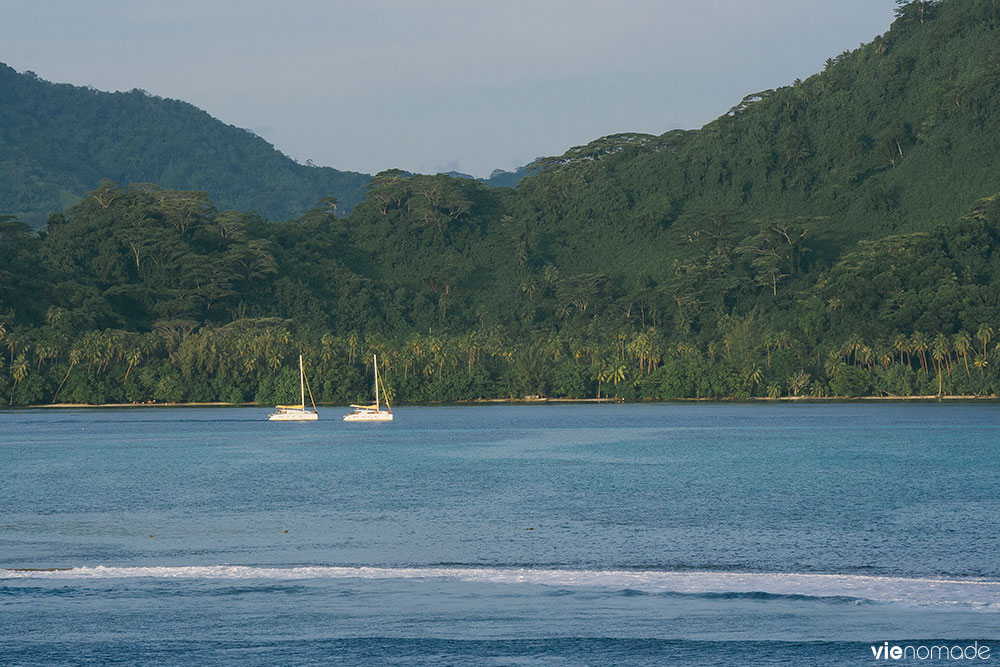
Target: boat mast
{"points": [[302, 382], [375, 357]]}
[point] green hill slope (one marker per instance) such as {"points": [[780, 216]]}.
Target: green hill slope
{"points": [[59, 141], [837, 237], [896, 136], [900, 136]]}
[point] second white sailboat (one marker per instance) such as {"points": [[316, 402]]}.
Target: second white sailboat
{"points": [[372, 413]]}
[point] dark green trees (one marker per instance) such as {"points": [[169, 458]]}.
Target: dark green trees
{"points": [[59, 141], [836, 237]]}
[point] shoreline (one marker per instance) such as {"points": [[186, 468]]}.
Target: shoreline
{"points": [[538, 401]]}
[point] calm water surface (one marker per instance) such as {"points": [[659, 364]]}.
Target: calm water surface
{"points": [[612, 534]]}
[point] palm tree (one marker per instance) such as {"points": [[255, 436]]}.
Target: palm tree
{"points": [[528, 286], [12, 342], [902, 345], [962, 342], [753, 376], [853, 346], [133, 357], [74, 358], [613, 372], [937, 353], [435, 347], [641, 347], [44, 352], [980, 362], [942, 351], [352, 346], [470, 344], [867, 357], [883, 355], [327, 341], [416, 346], [983, 335], [249, 364], [274, 359], [782, 340], [919, 344], [19, 369], [622, 337]]}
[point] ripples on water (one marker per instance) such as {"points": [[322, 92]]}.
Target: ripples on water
{"points": [[710, 534]]}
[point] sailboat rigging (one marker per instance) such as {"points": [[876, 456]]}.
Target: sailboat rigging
{"points": [[287, 413], [372, 413]]}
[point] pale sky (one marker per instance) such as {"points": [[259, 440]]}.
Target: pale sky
{"points": [[438, 85]]}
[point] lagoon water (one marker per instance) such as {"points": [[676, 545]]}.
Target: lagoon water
{"points": [[494, 535]]}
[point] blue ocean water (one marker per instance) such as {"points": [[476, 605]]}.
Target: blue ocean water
{"points": [[709, 534]]}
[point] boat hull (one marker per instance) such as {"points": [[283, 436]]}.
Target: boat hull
{"points": [[368, 417], [293, 416]]}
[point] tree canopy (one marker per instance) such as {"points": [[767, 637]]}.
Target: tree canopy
{"points": [[835, 237], [59, 141]]}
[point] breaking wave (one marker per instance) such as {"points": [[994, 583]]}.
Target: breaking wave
{"points": [[979, 593]]}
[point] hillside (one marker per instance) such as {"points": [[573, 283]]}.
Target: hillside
{"points": [[58, 141], [894, 137], [900, 136], [836, 237]]}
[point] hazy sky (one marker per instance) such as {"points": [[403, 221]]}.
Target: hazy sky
{"points": [[436, 85]]}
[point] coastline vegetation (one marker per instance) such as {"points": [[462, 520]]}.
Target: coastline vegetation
{"points": [[839, 237]]}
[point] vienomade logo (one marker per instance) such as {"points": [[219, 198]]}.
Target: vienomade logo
{"points": [[974, 651]]}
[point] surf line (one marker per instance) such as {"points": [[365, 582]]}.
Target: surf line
{"points": [[977, 592]]}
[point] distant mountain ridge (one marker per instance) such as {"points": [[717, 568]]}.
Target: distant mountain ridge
{"points": [[59, 141], [836, 237]]}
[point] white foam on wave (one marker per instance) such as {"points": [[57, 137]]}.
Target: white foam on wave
{"points": [[918, 591]]}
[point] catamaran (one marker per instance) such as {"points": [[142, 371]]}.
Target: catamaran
{"points": [[297, 413], [372, 413]]}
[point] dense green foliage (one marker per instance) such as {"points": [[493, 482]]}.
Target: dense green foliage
{"points": [[838, 237], [59, 141]]}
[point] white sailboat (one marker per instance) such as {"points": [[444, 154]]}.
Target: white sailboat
{"points": [[296, 413], [372, 413]]}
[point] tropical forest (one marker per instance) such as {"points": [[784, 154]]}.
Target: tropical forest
{"points": [[836, 237]]}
